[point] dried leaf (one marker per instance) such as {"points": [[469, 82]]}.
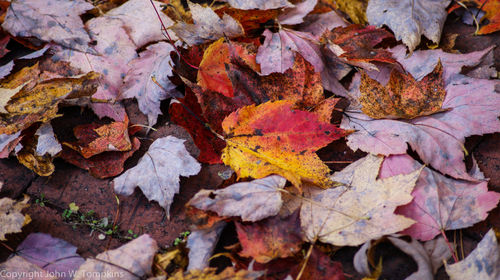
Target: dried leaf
{"points": [[209, 274], [273, 138], [207, 26], [320, 266], [201, 244], [21, 269], [8, 143], [355, 9], [252, 201], [11, 218], [403, 96], [259, 4], [482, 263], [47, 142], [154, 62], [440, 203], [362, 204], [51, 21], [130, 261], [157, 173], [296, 14], [409, 19]]}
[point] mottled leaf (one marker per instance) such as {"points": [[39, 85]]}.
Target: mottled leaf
{"points": [[52, 21], [273, 138], [482, 263], [409, 19], [361, 209], [252, 201], [440, 203], [134, 257], [207, 26], [157, 173], [11, 218]]}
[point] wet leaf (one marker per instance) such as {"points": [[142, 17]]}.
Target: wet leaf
{"points": [[157, 173], [11, 218], [362, 204]]}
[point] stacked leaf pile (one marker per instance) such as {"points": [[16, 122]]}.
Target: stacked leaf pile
{"points": [[260, 86]]}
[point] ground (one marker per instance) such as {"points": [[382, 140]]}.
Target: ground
{"points": [[71, 184]]}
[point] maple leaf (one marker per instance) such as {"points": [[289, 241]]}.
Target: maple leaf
{"points": [[252, 201], [4, 40], [154, 62], [275, 237], [355, 9], [482, 263], [320, 266], [11, 218], [440, 203], [52, 21], [157, 173], [409, 19], [490, 8], [8, 143], [362, 204], [209, 274], [19, 266], [469, 108], [296, 14], [317, 24], [272, 138], [94, 138], [207, 26], [259, 4], [201, 244], [250, 20], [46, 142], [355, 45], [130, 261], [403, 96], [53, 254]]}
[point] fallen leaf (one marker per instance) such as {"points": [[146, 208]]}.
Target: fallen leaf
{"points": [[403, 96], [320, 266], [252, 201], [317, 24], [355, 9], [207, 26], [440, 203], [209, 274], [409, 19], [154, 62], [103, 165], [250, 20], [46, 142], [55, 255], [11, 218], [157, 173], [4, 40], [8, 143], [274, 237], [27, 156], [273, 138], [469, 108], [130, 261], [201, 244], [296, 14], [482, 263], [490, 7], [259, 4], [363, 204], [21, 269], [355, 45], [51, 21]]}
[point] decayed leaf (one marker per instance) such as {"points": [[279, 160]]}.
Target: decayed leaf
{"points": [[272, 138], [296, 14], [201, 244], [491, 8], [8, 143], [40, 102], [134, 257], [274, 237], [471, 107], [209, 274], [409, 19], [154, 62], [362, 204], [403, 96], [21, 269], [212, 72], [482, 263], [95, 138], [250, 20], [52, 21], [277, 53], [103, 165], [440, 203], [252, 201], [55, 255], [259, 4], [157, 173], [207, 26], [11, 218], [355, 9], [355, 45], [141, 21], [47, 142]]}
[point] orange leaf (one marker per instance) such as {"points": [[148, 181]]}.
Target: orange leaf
{"points": [[403, 96]]}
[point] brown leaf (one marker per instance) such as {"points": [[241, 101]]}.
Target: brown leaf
{"points": [[17, 268], [403, 96], [209, 274], [11, 218]]}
